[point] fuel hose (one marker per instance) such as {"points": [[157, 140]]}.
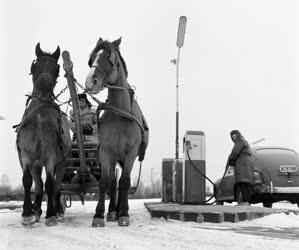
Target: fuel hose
{"points": [[206, 177]]}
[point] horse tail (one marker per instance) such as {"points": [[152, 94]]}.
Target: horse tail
{"points": [[142, 149]]}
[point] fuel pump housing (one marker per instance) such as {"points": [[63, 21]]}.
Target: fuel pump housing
{"points": [[194, 162]]}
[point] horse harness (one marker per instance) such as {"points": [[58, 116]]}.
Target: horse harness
{"points": [[40, 60], [107, 106], [32, 112]]}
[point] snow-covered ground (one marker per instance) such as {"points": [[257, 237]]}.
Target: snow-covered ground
{"points": [[277, 231]]}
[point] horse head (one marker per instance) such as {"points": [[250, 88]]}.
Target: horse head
{"points": [[44, 70], [104, 62]]}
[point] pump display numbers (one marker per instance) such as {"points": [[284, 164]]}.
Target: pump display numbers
{"points": [[288, 168]]}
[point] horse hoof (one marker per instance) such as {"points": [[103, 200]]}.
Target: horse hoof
{"points": [[28, 220], [60, 217], [51, 221], [111, 216], [36, 216], [123, 221], [98, 222]]}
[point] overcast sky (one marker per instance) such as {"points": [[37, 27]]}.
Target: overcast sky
{"points": [[239, 67]]}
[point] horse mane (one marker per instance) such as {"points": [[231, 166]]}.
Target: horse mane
{"points": [[123, 63], [106, 45]]}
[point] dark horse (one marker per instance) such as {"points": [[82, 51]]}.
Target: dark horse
{"points": [[43, 139], [120, 137]]}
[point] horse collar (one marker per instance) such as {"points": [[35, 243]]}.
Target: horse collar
{"points": [[35, 93]]}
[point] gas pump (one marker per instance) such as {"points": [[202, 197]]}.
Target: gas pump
{"points": [[193, 182]]}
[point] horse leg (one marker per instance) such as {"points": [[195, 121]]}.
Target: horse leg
{"points": [[124, 187], [104, 184], [39, 190], [119, 191], [111, 215], [60, 169], [51, 219], [27, 215]]}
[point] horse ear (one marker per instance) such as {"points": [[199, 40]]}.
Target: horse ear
{"points": [[117, 42], [38, 51], [56, 54], [100, 41]]}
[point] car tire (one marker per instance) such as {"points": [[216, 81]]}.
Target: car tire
{"points": [[268, 204], [220, 203]]}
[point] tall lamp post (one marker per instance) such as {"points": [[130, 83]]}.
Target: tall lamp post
{"points": [[179, 44]]}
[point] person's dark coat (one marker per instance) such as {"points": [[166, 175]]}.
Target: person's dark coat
{"points": [[242, 160]]}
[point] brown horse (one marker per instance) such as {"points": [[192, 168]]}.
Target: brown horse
{"points": [[43, 139], [123, 134]]}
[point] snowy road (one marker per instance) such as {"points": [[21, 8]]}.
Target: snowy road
{"points": [[278, 231]]}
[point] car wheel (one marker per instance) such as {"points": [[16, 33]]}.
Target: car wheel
{"points": [[219, 203], [268, 204]]}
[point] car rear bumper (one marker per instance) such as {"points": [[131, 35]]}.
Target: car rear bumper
{"points": [[271, 189], [285, 190]]}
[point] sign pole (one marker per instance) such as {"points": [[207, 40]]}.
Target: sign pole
{"points": [[179, 43]]}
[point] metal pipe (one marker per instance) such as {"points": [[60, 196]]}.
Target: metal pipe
{"points": [[177, 107]]}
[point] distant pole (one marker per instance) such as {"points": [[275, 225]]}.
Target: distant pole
{"points": [[179, 43], [152, 179]]}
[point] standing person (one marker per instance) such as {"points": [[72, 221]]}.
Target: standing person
{"points": [[242, 160], [88, 120]]}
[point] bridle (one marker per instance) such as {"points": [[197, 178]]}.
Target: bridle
{"points": [[107, 75], [35, 92]]}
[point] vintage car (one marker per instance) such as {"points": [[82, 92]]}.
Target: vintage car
{"points": [[276, 178]]}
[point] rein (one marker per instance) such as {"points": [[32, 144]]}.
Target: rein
{"points": [[107, 85]]}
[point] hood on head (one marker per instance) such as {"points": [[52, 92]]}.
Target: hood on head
{"points": [[236, 132]]}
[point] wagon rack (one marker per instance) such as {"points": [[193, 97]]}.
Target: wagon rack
{"points": [[83, 170]]}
